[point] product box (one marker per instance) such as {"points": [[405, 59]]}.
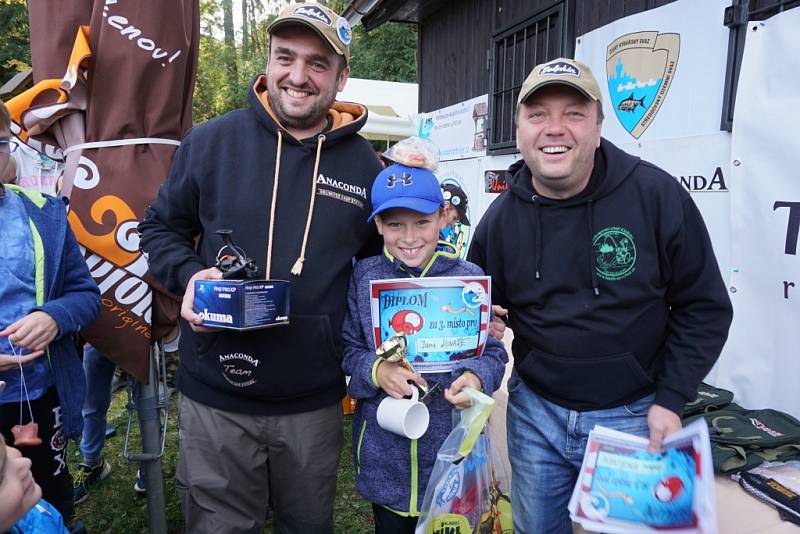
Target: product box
{"points": [[242, 304]]}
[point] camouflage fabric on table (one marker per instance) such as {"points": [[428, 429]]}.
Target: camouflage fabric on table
{"points": [[708, 399], [742, 439]]}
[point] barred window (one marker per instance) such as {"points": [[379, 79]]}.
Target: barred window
{"points": [[516, 50]]}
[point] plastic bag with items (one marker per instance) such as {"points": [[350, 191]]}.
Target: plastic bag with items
{"points": [[415, 152], [469, 489]]}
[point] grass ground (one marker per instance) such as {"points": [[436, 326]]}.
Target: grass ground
{"points": [[114, 507]]}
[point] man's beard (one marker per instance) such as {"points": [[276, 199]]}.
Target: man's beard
{"points": [[311, 117]]}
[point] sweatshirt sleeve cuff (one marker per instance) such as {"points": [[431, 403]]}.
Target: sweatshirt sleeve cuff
{"points": [[375, 365], [187, 272], [670, 399]]}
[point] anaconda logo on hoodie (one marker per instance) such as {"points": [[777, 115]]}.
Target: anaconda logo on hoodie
{"points": [[615, 253], [238, 369], [341, 190]]}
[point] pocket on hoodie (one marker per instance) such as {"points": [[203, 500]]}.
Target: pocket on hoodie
{"points": [[278, 363], [589, 381]]}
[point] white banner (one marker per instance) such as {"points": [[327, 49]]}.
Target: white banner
{"points": [[459, 130], [761, 363], [661, 71], [701, 164]]}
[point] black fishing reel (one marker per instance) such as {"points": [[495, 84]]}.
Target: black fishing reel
{"points": [[233, 261]]}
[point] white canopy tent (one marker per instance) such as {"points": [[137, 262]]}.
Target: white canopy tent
{"points": [[392, 107]]}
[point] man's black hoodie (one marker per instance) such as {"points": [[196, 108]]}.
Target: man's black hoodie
{"points": [[222, 177], [613, 293]]}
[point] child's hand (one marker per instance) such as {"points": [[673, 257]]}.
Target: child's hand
{"points": [[393, 379], [33, 332], [9, 361], [456, 396]]}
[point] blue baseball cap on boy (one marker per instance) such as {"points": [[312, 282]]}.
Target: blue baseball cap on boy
{"points": [[400, 186]]}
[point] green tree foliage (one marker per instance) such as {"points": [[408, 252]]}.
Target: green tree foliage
{"points": [[225, 68], [15, 51], [388, 52], [231, 55]]}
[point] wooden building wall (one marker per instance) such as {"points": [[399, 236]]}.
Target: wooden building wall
{"points": [[456, 41]]}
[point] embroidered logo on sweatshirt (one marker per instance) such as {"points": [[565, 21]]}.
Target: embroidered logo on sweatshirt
{"points": [[615, 253], [342, 191], [238, 369]]}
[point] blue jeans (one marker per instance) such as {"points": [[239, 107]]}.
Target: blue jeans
{"points": [[99, 373], [546, 444]]}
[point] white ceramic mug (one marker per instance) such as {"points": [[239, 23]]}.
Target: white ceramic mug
{"points": [[406, 417]]}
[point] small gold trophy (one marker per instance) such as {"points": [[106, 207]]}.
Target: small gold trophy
{"points": [[394, 350]]}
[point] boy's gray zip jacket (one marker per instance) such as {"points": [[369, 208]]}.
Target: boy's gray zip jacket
{"points": [[393, 471]]}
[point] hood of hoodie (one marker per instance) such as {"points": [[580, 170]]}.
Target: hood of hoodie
{"points": [[343, 117], [607, 175]]}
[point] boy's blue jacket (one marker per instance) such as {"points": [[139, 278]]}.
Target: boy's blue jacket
{"points": [[391, 470], [66, 292]]}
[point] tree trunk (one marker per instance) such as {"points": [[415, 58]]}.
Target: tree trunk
{"points": [[246, 48], [230, 41], [257, 40]]}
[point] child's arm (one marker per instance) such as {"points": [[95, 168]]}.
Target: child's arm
{"points": [[368, 373], [359, 358]]}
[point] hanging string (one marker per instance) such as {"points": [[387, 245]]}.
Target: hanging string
{"points": [[24, 385]]}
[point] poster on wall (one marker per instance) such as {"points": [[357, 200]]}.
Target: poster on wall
{"points": [[493, 180], [661, 72], [460, 182], [496, 180], [458, 130], [760, 363]]}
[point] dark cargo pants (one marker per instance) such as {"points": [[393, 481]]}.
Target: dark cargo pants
{"points": [[232, 465]]}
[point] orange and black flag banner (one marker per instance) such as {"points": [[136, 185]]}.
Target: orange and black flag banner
{"points": [[112, 99]]}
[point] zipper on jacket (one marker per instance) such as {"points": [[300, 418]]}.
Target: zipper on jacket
{"points": [[38, 260]]}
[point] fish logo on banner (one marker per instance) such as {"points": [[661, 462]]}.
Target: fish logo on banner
{"points": [[640, 68]]}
